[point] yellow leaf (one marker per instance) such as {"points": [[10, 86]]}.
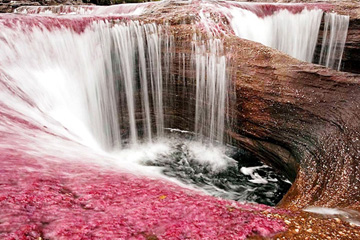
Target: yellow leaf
{"points": [[230, 209], [162, 197]]}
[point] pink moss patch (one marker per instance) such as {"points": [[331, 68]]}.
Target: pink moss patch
{"points": [[61, 199], [74, 201], [75, 23]]}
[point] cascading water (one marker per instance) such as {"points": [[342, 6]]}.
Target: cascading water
{"points": [[290, 28], [334, 38], [294, 34], [101, 82], [105, 89], [110, 82], [211, 89], [91, 69]]}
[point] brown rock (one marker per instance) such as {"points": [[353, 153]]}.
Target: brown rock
{"points": [[302, 118], [309, 111], [351, 57]]}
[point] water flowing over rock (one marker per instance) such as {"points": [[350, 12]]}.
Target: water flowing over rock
{"points": [[335, 32], [80, 86], [68, 87], [301, 116]]}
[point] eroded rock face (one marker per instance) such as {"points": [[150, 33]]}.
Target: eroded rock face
{"points": [[300, 117], [350, 60], [351, 57], [304, 112]]}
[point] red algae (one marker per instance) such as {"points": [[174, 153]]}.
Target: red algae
{"points": [[267, 9], [74, 23], [62, 201], [124, 9], [50, 197]]}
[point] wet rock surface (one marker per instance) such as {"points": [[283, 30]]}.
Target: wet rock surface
{"points": [[300, 117], [351, 57], [302, 225], [309, 111]]}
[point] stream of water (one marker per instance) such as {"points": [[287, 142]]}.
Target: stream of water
{"points": [[84, 82]]}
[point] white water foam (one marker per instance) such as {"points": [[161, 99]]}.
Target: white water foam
{"points": [[74, 78], [210, 155], [70, 94], [83, 86], [255, 177]]}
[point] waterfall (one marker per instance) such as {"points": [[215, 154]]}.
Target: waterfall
{"points": [[294, 34], [211, 89], [104, 78], [334, 38], [290, 28], [104, 82], [91, 81]]}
